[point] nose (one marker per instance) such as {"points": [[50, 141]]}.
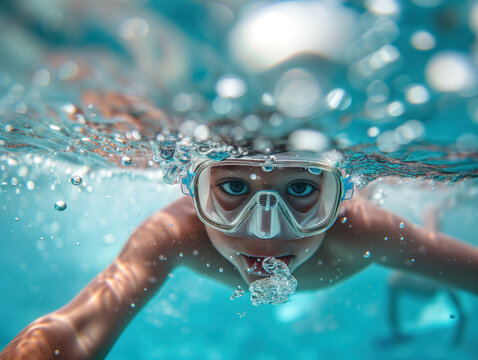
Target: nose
{"points": [[265, 222], [267, 200]]}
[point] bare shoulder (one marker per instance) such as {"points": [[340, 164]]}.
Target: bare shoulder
{"points": [[357, 225], [167, 233], [345, 248], [366, 222], [173, 237], [351, 243], [106, 305]]}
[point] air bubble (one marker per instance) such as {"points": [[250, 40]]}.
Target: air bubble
{"points": [[69, 70], [41, 78], [268, 99], [417, 94], [252, 123], [308, 140], [126, 160], [218, 155], [30, 185], [238, 292], [395, 108], [231, 86], [423, 40], [401, 225], [315, 171], [60, 205], [167, 148], [267, 166], [133, 29], [338, 99], [451, 71], [76, 180]]}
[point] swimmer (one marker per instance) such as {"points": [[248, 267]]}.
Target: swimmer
{"points": [[238, 212]]}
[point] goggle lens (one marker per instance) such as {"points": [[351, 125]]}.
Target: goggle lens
{"points": [[307, 195]]}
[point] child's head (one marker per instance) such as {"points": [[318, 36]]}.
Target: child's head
{"points": [[267, 206]]}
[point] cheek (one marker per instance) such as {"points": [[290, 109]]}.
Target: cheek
{"points": [[308, 248], [225, 246], [221, 242]]}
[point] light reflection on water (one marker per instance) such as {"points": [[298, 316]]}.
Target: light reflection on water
{"points": [[113, 91]]}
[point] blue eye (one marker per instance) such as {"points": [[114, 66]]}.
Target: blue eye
{"points": [[300, 188], [234, 187]]}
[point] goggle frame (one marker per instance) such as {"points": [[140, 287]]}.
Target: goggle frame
{"points": [[344, 184]]}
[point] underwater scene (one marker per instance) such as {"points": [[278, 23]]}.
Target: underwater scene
{"points": [[106, 106]]}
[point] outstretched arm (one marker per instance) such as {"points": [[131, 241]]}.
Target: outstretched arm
{"points": [[88, 326], [401, 245]]}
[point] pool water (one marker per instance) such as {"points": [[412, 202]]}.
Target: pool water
{"points": [[127, 95]]}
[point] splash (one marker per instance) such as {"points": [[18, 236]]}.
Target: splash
{"points": [[276, 288], [83, 107], [425, 162]]}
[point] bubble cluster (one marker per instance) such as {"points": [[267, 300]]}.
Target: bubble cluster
{"points": [[238, 292], [276, 288], [377, 84]]}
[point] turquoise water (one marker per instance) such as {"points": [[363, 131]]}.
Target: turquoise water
{"points": [[126, 95]]}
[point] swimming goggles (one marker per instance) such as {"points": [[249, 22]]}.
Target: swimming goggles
{"points": [[288, 198]]}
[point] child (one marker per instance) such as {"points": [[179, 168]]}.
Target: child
{"points": [[240, 212]]}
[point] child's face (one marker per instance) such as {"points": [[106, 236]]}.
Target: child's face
{"points": [[286, 201], [244, 252], [267, 230]]}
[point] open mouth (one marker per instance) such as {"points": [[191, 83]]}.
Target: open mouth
{"points": [[254, 264]]}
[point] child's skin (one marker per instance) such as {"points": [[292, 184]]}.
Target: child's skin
{"points": [[88, 326]]}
